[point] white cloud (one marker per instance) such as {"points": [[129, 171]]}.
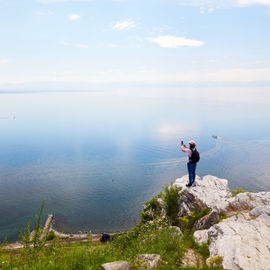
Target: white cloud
{"points": [[61, 1], [44, 13], [208, 3], [24, 79], [253, 2], [74, 17], [218, 4], [174, 42], [4, 61], [78, 45], [111, 45], [124, 25], [81, 45], [209, 10], [202, 11]]}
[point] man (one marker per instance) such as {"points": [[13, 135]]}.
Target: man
{"points": [[192, 158]]}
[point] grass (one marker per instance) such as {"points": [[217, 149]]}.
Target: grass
{"points": [[153, 235]]}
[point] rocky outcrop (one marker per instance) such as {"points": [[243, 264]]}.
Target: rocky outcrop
{"points": [[248, 201], [208, 192], [151, 260], [243, 239]]}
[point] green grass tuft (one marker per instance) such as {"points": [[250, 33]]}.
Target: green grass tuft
{"points": [[237, 191]]}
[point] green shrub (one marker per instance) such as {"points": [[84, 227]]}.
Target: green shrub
{"points": [[171, 202], [222, 215], [50, 236], [237, 191], [150, 210], [215, 260], [187, 222]]}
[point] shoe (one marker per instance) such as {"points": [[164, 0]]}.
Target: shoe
{"points": [[188, 185]]}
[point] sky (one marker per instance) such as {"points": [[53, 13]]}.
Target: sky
{"points": [[101, 44]]}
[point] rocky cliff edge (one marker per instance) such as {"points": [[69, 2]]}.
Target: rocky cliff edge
{"points": [[236, 228]]}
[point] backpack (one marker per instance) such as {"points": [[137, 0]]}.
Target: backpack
{"points": [[195, 155]]}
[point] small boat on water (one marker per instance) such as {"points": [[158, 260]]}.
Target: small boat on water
{"points": [[214, 136]]}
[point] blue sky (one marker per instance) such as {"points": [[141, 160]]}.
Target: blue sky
{"points": [[61, 44]]}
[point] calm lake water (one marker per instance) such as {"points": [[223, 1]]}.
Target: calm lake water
{"points": [[97, 158]]}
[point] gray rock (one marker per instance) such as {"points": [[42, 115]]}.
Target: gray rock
{"points": [[260, 211], [152, 260], [201, 236], [248, 201], [207, 221], [176, 231], [119, 265], [161, 207]]}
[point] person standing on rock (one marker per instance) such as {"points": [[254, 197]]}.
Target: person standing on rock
{"points": [[193, 157]]}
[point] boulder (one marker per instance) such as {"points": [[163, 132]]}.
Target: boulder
{"points": [[207, 221], [105, 238], [247, 201], [176, 231], [151, 260], [243, 241], [208, 192], [119, 265], [261, 210], [201, 236]]}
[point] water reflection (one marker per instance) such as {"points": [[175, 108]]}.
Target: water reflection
{"points": [[68, 147]]}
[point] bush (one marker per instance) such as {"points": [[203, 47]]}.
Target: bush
{"points": [[171, 202], [50, 236], [237, 191], [187, 222]]}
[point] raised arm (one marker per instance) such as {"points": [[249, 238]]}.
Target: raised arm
{"points": [[183, 147]]}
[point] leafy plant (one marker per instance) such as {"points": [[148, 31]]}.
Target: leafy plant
{"points": [[50, 236], [171, 202], [187, 222], [222, 215], [35, 240], [215, 260], [237, 191], [152, 209]]}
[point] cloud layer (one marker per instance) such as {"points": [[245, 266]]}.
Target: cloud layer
{"points": [[74, 17], [223, 3], [124, 25], [175, 42]]}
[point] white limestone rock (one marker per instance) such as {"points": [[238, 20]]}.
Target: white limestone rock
{"points": [[242, 240], [201, 236], [260, 211], [210, 191], [119, 265], [248, 201]]}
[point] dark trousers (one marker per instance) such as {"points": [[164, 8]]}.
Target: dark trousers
{"points": [[191, 172]]}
